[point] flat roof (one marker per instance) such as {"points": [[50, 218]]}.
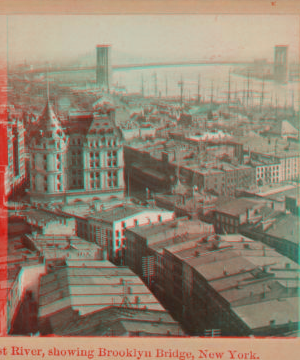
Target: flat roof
{"points": [[52, 246], [161, 231], [122, 320], [44, 216], [280, 195], [260, 314], [241, 271], [123, 212], [285, 227], [238, 206], [90, 289]]}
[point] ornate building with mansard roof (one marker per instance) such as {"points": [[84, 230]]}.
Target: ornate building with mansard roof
{"points": [[79, 158]]}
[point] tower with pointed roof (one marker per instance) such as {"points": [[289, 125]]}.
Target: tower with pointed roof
{"points": [[79, 158], [48, 150]]}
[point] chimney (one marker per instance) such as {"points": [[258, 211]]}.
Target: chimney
{"points": [[137, 301], [248, 215], [263, 295]]}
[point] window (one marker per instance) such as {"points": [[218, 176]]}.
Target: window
{"points": [[117, 233], [112, 179], [95, 180], [94, 160], [112, 159], [33, 183]]}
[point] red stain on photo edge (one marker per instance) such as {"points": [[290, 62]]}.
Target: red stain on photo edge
{"points": [[3, 200]]}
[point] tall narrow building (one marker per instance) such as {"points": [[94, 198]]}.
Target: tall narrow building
{"points": [[103, 66], [281, 64]]}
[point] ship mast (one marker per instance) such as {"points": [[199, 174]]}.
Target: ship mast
{"points": [[142, 86], [262, 93], [166, 87], [212, 93], [248, 88], [228, 95], [198, 94], [181, 85], [155, 84]]}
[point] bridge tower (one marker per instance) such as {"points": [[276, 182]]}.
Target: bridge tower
{"points": [[280, 64], [103, 66]]}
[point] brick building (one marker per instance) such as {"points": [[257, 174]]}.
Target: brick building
{"points": [[143, 253], [230, 284]]}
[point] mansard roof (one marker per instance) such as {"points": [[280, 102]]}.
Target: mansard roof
{"points": [[102, 124], [105, 103]]}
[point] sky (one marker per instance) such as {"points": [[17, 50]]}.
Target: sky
{"points": [[145, 37]]}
